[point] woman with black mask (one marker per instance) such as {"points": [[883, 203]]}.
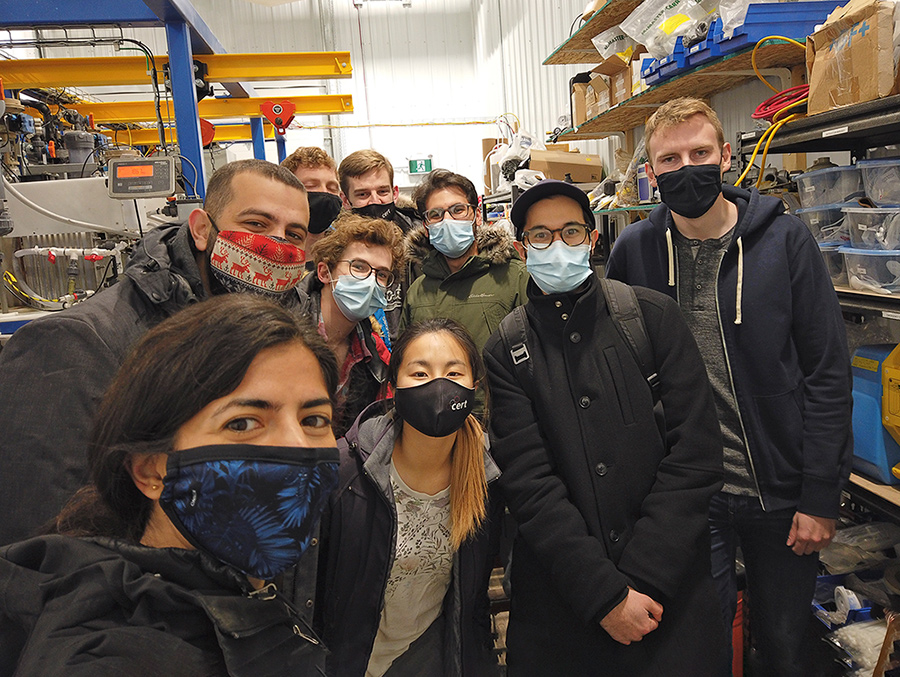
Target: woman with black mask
{"points": [[408, 537], [209, 472]]}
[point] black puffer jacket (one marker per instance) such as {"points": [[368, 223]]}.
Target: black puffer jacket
{"points": [[72, 607], [359, 530]]}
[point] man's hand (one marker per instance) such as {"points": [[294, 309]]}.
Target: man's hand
{"points": [[809, 533], [635, 616]]}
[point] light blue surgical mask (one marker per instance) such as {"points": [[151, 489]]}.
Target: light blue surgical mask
{"points": [[559, 268], [357, 299], [451, 237]]}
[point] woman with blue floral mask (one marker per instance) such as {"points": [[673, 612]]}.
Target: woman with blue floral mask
{"points": [[409, 535], [355, 265], [209, 472]]}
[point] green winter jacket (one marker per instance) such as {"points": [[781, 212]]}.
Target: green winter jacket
{"points": [[478, 296]]}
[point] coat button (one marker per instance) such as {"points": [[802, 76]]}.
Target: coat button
{"points": [[314, 542], [558, 304], [614, 536], [309, 604], [601, 469], [574, 337], [584, 402], [565, 316]]}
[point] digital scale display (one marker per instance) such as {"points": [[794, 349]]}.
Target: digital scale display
{"points": [[131, 178]]}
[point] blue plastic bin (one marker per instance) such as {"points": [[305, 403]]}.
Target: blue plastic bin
{"points": [[874, 450], [707, 49], [790, 19]]}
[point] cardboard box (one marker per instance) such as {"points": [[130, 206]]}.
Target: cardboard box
{"points": [[600, 86], [618, 62], [579, 105], [583, 168], [557, 146], [850, 60], [620, 87]]}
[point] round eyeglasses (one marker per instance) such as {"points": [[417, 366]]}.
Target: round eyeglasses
{"points": [[361, 270], [573, 234], [458, 211]]}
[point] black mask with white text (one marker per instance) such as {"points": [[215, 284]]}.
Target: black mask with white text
{"points": [[692, 190], [437, 408], [377, 211]]}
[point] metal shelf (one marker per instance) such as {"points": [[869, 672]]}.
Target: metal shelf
{"points": [[702, 82], [869, 304], [579, 48], [853, 128]]}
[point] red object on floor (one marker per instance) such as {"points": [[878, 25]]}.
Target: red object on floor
{"points": [[737, 639]]}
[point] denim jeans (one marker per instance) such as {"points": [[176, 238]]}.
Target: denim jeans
{"points": [[780, 584]]}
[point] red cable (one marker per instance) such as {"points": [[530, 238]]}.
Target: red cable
{"points": [[770, 107]]}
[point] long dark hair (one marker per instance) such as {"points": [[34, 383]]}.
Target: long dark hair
{"points": [[177, 368], [468, 486]]}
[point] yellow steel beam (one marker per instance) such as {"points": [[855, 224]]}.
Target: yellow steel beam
{"points": [[212, 109], [148, 136], [133, 70]]}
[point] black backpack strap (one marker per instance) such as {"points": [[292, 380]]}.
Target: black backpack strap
{"points": [[514, 333], [627, 316]]}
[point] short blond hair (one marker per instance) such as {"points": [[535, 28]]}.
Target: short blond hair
{"points": [[675, 112], [350, 228], [361, 162], [309, 156]]}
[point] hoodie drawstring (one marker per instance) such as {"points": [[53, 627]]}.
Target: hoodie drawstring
{"points": [[671, 253], [740, 281]]}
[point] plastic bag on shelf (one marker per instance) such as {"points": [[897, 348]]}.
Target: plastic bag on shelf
{"points": [[861, 642], [839, 558], [613, 41], [657, 24], [627, 195], [870, 537]]}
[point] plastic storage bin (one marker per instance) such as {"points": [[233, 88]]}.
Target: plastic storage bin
{"points": [[834, 262], [826, 223], [873, 228], [875, 452], [830, 186], [873, 270], [882, 181], [791, 19]]}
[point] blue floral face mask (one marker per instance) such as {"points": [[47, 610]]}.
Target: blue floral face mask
{"points": [[251, 506]]}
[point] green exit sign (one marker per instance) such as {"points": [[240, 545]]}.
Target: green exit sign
{"points": [[420, 166]]}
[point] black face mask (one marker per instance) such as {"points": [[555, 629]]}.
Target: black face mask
{"points": [[376, 211], [437, 408], [690, 191], [323, 210]]}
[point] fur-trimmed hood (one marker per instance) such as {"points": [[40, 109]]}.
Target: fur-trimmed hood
{"points": [[495, 244]]}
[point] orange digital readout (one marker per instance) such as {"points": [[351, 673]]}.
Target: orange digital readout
{"points": [[133, 171]]}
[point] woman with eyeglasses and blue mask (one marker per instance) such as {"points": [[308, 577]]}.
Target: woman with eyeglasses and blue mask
{"points": [[209, 470], [355, 264], [409, 536]]}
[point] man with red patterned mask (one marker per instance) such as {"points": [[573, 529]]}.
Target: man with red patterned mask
{"points": [[251, 236]]}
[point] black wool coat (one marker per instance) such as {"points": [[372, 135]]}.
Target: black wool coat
{"points": [[601, 502]]}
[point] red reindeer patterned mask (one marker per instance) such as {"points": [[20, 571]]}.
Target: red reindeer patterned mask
{"points": [[257, 263]]}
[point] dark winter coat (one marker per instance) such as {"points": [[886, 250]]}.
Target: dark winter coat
{"points": [[785, 343], [367, 378], [359, 530], [601, 501], [97, 606], [55, 370]]}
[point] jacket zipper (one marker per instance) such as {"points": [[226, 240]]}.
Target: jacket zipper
{"points": [[737, 405]]}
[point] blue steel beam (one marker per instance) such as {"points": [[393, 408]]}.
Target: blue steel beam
{"points": [[184, 95], [259, 139], [37, 13], [281, 145]]}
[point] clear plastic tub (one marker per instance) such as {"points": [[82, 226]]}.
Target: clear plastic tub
{"points": [[826, 223], [830, 186], [873, 270], [834, 262], [873, 228], [881, 179]]}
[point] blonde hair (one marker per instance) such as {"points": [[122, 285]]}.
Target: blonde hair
{"points": [[350, 228], [361, 162], [468, 484], [309, 156], [677, 111]]}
